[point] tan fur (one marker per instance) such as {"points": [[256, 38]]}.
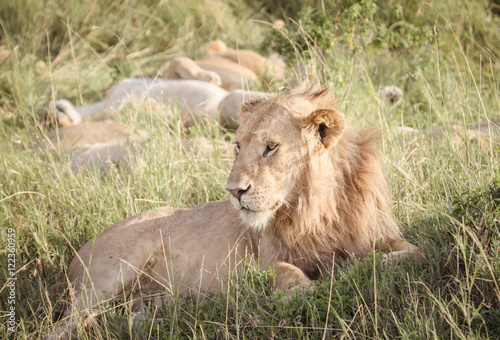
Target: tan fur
{"points": [[482, 135], [193, 86], [230, 106], [232, 75], [320, 194], [202, 147], [215, 46], [251, 61], [104, 144], [88, 133], [235, 68], [108, 145], [185, 68], [307, 188], [196, 100]]}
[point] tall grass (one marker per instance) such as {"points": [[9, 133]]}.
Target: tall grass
{"points": [[445, 194]]}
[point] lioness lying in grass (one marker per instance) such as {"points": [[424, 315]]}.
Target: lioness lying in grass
{"points": [[227, 67], [193, 86]]}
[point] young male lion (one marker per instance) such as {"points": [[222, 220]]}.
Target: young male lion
{"points": [[306, 190]]}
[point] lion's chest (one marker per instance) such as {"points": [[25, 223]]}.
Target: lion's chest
{"points": [[311, 256], [312, 261]]}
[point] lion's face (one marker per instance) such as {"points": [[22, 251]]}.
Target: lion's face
{"points": [[273, 147]]}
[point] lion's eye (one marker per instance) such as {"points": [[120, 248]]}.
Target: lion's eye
{"points": [[237, 148], [270, 148]]}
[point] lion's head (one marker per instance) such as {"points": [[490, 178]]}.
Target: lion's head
{"points": [[280, 141]]}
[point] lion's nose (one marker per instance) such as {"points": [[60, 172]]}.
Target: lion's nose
{"points": [[238, 192]]}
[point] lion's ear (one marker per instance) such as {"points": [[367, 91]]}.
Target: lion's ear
{"points": [[252, 103], [327, 124], [249, 105]]}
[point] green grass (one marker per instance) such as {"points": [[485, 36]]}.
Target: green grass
{"points": [[446, 196]]}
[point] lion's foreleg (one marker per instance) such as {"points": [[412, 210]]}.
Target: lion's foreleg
{"points": [[289, 278], [186, 68], [75, 316], [93, 285]]}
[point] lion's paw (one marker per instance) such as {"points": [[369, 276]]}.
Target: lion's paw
{"points": [[210, 77], [396, 256], [305, 288], [64, 113]]}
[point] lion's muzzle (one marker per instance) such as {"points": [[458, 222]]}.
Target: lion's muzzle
{"points": [[238, 192]]}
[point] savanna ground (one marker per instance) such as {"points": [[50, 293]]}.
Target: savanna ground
{"points": [[443, 54]]}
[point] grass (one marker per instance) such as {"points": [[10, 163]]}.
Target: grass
{"points": [[446, 195]]}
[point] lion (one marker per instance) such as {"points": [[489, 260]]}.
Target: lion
{"points": [[272, 65], [306, 191], [233, 68], [103, 144], [195, 86], [197, 101], [109, 145]]}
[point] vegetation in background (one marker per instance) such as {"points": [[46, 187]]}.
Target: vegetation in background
{"points": [[388, 23], [446, 194], [355, 25]]}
